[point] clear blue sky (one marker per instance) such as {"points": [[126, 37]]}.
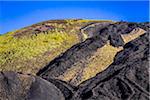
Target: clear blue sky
{"points": [[15, 15]]}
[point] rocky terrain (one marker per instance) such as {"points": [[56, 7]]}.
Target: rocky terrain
{"points": [[108, 61], [127, 78], [82, 61]]}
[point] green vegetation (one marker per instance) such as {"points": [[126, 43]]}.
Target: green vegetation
{"points": [[13, 50], [30, 47]]}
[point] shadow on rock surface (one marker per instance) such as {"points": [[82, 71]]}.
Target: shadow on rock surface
{"points": [[15, 86]]}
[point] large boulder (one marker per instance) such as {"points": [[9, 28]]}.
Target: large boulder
{"points": [[15, 86]]}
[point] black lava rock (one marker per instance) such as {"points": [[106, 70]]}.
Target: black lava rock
{"points": [[127, 78], [15, 86]]}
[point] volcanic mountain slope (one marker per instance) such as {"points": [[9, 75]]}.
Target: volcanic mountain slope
{"points": [[125, 79], [84, 60], [30, 48], [78, 60]]}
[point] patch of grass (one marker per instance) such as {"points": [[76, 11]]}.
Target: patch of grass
{"points": [[87, 21], [100, 61], [14, 50], [70, 74]]}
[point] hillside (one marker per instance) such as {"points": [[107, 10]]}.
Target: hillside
{"points": [[76, 60], [30, 48]]}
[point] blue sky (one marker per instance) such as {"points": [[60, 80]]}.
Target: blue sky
{"points": [[15, 14]]}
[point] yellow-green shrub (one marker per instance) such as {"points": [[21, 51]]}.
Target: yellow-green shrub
{"points": [[25, 48]]}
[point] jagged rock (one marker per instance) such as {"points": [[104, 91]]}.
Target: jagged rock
{"points": [[93, 29], [145, 26], [115, 31], [15, 86], [127, 78], [71, 66]]}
